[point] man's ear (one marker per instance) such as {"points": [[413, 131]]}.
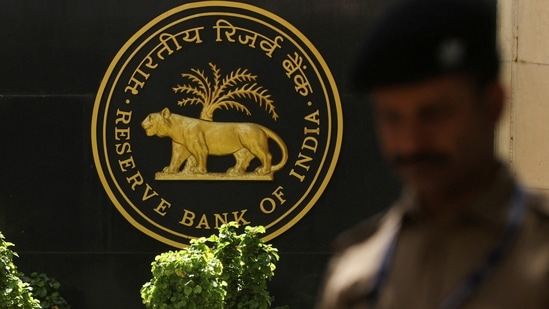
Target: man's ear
{"points": [[494, 98]]}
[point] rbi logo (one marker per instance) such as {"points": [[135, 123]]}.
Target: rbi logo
{"points": [[215, 112]]}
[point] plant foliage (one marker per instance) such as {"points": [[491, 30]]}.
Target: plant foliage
{"points": [[230, 270], [47, 290], [187, 279], [248, 263], [14, 293]]}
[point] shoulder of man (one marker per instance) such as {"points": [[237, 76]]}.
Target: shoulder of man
{"points": [[539, 205]]}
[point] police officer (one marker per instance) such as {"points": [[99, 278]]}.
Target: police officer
{"points": [[464, 233]]}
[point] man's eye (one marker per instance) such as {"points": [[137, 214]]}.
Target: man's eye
{"points": [[435, 113]]}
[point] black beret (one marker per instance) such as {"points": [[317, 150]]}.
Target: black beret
{"points": [[420, 39]]}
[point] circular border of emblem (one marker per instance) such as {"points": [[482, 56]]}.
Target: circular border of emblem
{"points": [[333, 148]]}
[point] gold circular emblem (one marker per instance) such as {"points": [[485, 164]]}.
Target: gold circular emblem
{"points": [[216, 111]]}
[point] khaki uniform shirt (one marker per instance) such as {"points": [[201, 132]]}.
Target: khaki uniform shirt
{"points": [[429, 263]]}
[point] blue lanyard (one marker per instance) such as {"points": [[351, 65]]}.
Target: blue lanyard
{"points": [[466, 289]]}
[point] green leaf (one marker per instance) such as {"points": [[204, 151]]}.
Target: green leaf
{"points": [[228, 270]]}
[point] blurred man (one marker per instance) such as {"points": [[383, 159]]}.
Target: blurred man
{"points": [[464, 233]]}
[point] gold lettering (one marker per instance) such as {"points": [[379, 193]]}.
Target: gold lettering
{"points": [[239, 216], [124, 117], [296, 175], [121, 134], [307, 145], [311, 131], [272, 206], [279, 196], [248, 39], [135, 84], [188, 218], [135, 180], [302, 85], [203, 222], [123, 148], [294, 65], [291, 65], [196, 39], [148, 195], [126, 164], [266, 44], [149, 62], [313, 117], [303, 159], [219, 221], [164, 38], [269, 46], [223, 24], [162, 206]]}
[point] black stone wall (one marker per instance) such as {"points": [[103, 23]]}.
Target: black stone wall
{"points": [[53, 55]]}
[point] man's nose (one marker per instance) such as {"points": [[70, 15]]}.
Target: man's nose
{"points": [[413, 137]]}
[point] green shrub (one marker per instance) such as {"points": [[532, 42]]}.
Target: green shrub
{"points": [[231, 272], [46, 290], [248, 264], [187, 279], [14, 293]]}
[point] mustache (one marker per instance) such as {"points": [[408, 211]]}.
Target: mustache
{"points": [[419, 158]]}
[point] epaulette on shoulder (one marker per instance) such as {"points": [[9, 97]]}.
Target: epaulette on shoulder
{"points": [[358, 233]]}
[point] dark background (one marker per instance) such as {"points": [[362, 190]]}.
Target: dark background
{"points": [[53, 55]]}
